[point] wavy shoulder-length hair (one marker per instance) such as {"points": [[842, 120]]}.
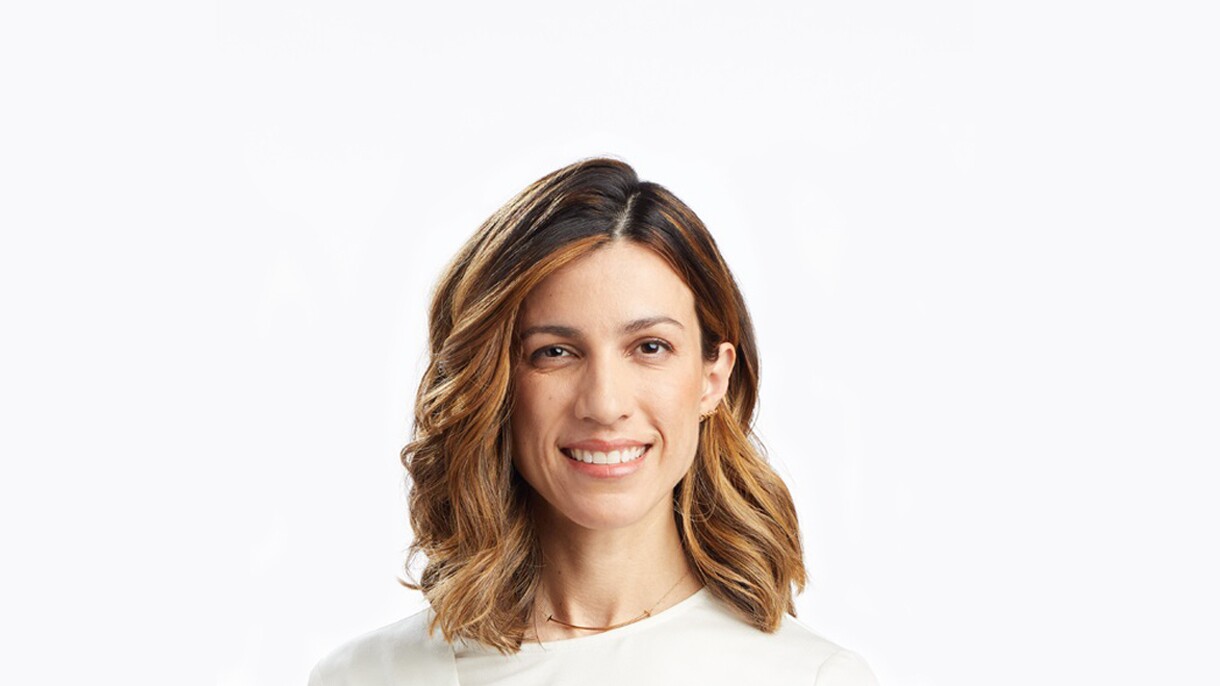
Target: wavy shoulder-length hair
{"points": [[470, 509]]}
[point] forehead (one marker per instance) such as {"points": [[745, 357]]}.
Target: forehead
{"points": [[619, 282]]}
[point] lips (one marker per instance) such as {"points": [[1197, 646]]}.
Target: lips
{"points": [[607, 471]]}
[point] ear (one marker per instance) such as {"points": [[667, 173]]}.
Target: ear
{"points": [[716, 377]]}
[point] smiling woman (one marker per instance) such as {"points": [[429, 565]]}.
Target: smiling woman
{"points": [[586, 487], [606, 405]]}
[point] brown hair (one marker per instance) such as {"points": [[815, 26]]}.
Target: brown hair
{"points": [[470, 509]]}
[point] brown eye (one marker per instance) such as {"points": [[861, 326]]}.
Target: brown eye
{"points": [[654, 347], [548, 352]]}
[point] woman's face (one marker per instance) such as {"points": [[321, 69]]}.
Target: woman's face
{"points": [[611, 368]]}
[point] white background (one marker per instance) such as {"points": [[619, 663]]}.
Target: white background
{"points": [[979, 245]]}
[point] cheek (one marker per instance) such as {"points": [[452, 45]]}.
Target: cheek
{"points": [[676, 405], [532, 405], [523, 440], [685, 387]]}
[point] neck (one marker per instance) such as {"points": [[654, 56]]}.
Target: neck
{"points": [[602, 578]]}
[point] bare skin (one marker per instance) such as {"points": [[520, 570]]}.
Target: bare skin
{"points": [[604, 578]]}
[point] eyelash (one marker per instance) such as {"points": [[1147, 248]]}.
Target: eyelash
{"points": [[538, 353]]}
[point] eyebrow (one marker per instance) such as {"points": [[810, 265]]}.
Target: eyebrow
{"points": [[573, 332]]}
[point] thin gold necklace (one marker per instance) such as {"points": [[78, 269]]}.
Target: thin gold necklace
{"points": [[646, 615]]}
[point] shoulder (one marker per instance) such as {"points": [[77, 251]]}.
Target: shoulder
{"points": [[832, 664], [794, 653], [402, 653]]}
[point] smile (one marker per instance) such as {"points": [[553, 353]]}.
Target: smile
{"points": [[613, 457]]}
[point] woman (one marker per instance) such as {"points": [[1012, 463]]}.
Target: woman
{"points": [[586, 487]]}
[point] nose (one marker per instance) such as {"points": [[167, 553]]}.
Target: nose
{"points": [[605, 394]]}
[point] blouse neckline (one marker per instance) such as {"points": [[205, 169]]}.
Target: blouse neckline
{"points": [[669, 613]]}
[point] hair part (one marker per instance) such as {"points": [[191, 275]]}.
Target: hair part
{"points": [[469, 508]]}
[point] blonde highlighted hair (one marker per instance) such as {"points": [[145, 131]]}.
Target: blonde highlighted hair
{"points": [[470, 509]]}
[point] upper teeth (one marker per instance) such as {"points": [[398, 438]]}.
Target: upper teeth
{"points": [[613, 457]]}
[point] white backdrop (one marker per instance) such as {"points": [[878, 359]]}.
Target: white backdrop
{"points": [[979, 247]]}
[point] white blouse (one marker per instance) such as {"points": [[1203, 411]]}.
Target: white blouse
{"points": [[697, 641]]}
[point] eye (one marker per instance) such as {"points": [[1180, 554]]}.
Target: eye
{"points": [[655, 347], [548, 352]]}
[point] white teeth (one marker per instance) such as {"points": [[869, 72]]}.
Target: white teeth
{"points": [[613, 457]]}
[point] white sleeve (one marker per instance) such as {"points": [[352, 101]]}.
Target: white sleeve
{"points": [[845, 668], [315, 675]]}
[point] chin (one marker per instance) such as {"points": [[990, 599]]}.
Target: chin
{"points": [[606, 523], [609, 515]]}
